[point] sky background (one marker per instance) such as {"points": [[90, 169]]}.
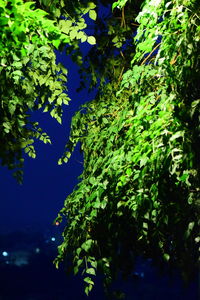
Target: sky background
{"points": [[37, 201]]}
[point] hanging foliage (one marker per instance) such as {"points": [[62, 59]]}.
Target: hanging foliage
{"points": [[139, 191], [30, 78]]}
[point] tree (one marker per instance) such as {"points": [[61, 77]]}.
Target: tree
{"points": [[139, 191], [30, 77]]}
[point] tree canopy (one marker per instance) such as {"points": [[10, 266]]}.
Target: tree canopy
{"points": [[139, 190]]}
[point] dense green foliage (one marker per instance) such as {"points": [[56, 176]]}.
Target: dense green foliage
{"points": [[139, 191], [30, 77]]}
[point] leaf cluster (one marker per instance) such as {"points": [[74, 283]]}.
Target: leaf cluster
{"points": [[139, 191], [30, 77]]}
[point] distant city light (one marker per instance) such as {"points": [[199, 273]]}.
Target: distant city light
{"points": [[53, 239], [4, 253]]}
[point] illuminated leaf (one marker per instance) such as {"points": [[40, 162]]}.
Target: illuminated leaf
{"points": [[92, 14], [91, 40]]}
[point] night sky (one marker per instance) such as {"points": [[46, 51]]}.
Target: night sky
{"points": [[46, 185]]}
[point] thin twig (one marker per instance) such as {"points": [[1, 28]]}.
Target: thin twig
{"points": [[120, 76], [123, 22], [134, 24], [143, 62]]}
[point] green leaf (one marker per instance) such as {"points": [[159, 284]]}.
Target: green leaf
{"points": [[78, 251], [59, 101], [114, 5], [105, 121], [83, 38], [91, 271], [119, 4], [17, 72], [88, 280], [17, 64], [88, 288], [94, 264], [92, 180], [87, 245], [123, 178], [56, 43], [91, 5], [103, 203], [91, 40], [93, 14], [65, 25], [129, 172], [166, 256], [76, 269], [97, 204], [6, 125], [143, 161], [73, 34], [176, 135]]}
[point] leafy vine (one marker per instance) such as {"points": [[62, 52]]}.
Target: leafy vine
{"points": [[139, 190]]}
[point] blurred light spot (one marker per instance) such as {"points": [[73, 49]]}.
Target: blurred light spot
{"points": [[37, 250], [53, 239], [4, 253]]}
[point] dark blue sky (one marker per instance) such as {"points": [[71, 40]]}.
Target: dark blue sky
{"points": [[46, 185]]}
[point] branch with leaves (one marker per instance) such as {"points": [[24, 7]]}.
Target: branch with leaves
{"points": [[139, 190]]}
